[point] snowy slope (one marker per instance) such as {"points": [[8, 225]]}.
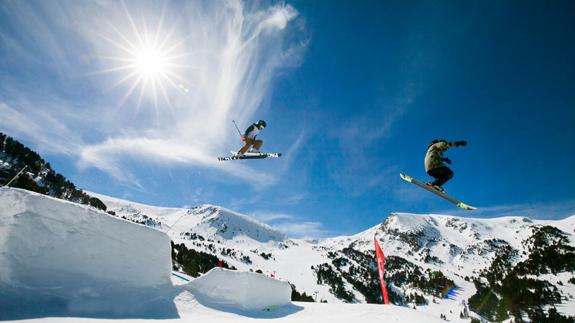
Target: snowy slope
{"points": [[458, 247], [62, 262]]}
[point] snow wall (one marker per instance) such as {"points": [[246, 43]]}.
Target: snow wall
{"points": [[61, 257], [245, 290]]}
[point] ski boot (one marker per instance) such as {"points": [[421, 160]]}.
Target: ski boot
{"points": [[436, 187]]}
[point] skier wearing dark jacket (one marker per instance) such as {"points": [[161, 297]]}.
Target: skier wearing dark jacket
{"points": [[250, 140], [434, 162]]}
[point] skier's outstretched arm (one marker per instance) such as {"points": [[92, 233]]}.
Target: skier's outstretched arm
{"points": [[444, 145]]}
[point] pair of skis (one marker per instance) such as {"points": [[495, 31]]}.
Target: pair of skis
{"points": [[431, 189], [249, 155]]}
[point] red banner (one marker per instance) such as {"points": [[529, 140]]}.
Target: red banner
{"points": [[380, 264]]}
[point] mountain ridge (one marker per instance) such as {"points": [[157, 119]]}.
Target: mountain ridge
{"points": [[426, 255]]}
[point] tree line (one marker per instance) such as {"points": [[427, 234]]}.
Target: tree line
{"points": [[38, 176]]}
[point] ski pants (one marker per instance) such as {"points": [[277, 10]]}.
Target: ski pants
{"points": [[441, 174], [250, 142]]}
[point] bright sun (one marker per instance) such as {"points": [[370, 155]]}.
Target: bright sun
{"points": [[148, 61], [151, 62]]}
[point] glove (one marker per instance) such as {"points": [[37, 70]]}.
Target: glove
{"points": [[447, 160], [460, 143], [243, 138]]}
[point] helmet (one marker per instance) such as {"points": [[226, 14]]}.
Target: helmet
{"points": [[261, 124]]}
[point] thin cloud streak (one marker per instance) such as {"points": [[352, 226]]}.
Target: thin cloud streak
{"points": [[165, 151], [356, 172], [293, 199], [292, 152], [291, 225], [302, 230], [42, 128], [541, 211], [287, 160], [272, 216]]}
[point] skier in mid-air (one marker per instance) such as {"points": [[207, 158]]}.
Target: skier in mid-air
{"points": [[434, 162], [250, 140]]}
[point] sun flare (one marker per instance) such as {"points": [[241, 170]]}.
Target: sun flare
{"points": [[147, 60], [151, 62]]}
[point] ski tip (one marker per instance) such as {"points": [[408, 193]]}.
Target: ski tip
{"points": [[405, 177], [466, 207]]}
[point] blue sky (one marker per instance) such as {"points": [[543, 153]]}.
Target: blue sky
{"points": [[136, 99]]}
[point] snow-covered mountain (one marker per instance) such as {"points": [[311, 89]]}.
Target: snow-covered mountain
{"points": [[61, 261], [429, 257]]}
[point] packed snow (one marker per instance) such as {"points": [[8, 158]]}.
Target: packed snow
{"points": [[75, 258], [245, 290], [64, 262]]}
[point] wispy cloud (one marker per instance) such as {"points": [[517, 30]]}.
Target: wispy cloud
{"points": [[243, 200], [105, 156], [409, 194], [303, 230], [42, 127], [542, 211], [291, 225], [291, 154], [293, 198], [286, 163], [358, 170], [230, 53], [272, 216]]}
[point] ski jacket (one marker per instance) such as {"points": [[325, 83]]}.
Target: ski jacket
{"points": [[251, 132], [434, 156]]}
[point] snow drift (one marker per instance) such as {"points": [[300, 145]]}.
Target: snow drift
{"points": [[245, 290], [75, 259]]}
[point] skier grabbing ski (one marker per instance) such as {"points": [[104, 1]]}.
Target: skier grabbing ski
{"points": [[434, 162], [250, 140], [435, 167]]}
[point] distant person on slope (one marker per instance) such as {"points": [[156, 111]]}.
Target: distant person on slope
{"points": [[250, 140], [434, 162]]}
